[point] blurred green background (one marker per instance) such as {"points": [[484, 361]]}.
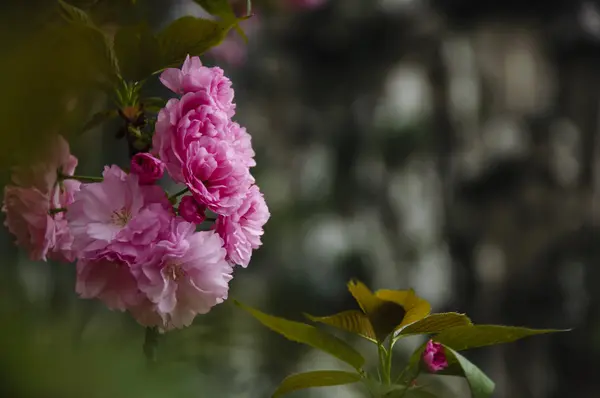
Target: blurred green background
{"points": [[446, 145]]}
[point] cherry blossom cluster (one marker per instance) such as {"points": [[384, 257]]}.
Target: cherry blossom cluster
{"points": [[138, 249]]}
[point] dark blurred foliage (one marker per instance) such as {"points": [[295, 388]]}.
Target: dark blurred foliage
{"points": [[449, 146]]}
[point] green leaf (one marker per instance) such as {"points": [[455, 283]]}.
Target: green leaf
{"points": [[219, 8], [74, 14], [351, 321], [481, 385], [138, 52], [465, 337], [436, 323], [99, 42], [320, 378], [190, 36], [307, 334], [100, 118]]}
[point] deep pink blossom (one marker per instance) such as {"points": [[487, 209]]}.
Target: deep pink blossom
{"points": [[191, 211], [102, 210], [148, 168], [186, 275], [241, 142], [242, 230], [107, 276], [193, 77], [434, 357], [216, 175], [182, 122]]}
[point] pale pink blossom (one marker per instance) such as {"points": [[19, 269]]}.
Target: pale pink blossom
{"points": [[148, 168], [35, 208], [242, 230], [434, 357], [193, 77], [107, 276], [43, 173], [182, 122], [216, 175], [186, 275], [191, 211], [102, 210]]}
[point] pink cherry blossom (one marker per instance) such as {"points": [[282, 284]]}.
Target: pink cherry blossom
{"points": [[107, 276], [434, 357], [148, 168], [241, 142], [191, 211], [102, 210], [35, 207], [193, 77], [242, 230], [43, 173], [182, 122], [186, 275], [215, 175]]}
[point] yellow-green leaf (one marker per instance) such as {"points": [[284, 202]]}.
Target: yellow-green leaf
{"points": [[465, 337], [320, 378], [436, 323], [364, 297], [481, 385], [416, 308], [190, 36], [219, 8], [310, 335], [351, 321]]}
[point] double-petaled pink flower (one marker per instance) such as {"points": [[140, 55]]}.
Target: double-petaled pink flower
{"points": [[242, 230], [434, 357]]}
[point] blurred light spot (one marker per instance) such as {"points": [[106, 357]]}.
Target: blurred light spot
{"points": [[490, 263]]}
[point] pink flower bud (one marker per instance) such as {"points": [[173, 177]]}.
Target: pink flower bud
{"points": [[148, 168], [434, 357], [191, 211]]}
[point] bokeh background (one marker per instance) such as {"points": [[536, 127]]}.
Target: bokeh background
{"points": [[446, 145]]}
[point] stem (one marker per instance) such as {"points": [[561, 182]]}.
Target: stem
{"points": [[248, 8], [150, 345], [81, 178], [384, 363], [177, 194]]}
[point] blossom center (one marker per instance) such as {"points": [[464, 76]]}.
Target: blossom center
{"points": [[121, 217], [174, 272]]}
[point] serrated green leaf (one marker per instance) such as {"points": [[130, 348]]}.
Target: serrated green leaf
{"points": [[364, 297], [138, 52], [436, 323], [466, 337], [309, 335], [74, 14], [319, 378], [351, 321], [481, 385], [190, 36], [100, 118], [416, 308]]}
